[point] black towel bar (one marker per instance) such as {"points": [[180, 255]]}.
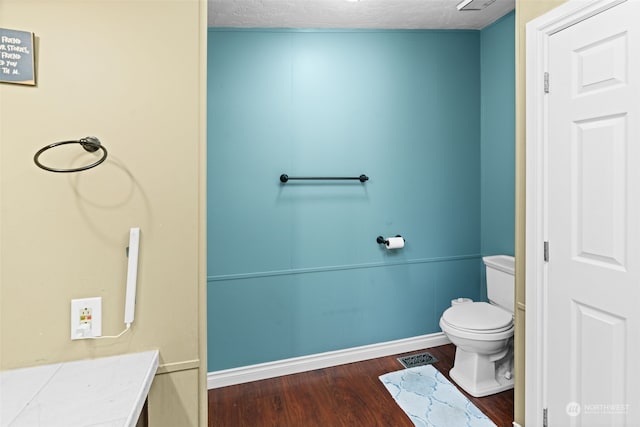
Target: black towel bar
{"points": [[362, 178]]}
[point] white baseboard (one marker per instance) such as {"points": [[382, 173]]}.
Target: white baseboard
{"points": [[295, 365]]}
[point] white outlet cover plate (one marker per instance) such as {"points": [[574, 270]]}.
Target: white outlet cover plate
{"points": [[95, 305]]}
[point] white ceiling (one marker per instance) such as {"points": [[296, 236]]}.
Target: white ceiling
{"points": [[372, 14]]}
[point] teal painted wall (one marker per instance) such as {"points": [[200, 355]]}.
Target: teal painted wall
{"points": [[497, 152], [294, 269]]}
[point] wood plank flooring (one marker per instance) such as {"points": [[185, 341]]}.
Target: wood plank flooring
{"points": [[348, 395]]}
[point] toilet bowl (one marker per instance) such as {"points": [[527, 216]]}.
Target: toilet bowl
{"points": [[483, 333]]}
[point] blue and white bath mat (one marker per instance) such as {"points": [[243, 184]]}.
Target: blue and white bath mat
{"points": [[430, 400]]}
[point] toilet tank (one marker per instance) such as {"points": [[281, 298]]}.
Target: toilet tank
{"points": [[501, 280]]}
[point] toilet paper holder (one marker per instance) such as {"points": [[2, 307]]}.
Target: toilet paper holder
{"points": [[381, 240]]}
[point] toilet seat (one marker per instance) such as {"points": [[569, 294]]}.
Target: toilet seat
{"points": [[478, 318]]}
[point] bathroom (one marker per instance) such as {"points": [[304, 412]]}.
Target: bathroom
{"points": [[428, 115], [69, 233]]}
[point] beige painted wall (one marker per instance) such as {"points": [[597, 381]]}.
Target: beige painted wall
{"points": [[526, 10], [133, 74]]}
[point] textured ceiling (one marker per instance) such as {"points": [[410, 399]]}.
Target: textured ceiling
{"points": [[384, 14]]}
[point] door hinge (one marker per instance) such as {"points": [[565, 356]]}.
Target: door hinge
{"points": [[544, 417], [546, 251], [546, 82]]}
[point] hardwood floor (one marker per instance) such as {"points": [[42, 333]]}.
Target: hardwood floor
{"points": [[346, 395]]}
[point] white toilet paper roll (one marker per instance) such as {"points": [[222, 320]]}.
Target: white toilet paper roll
{"points": [[395, 242]]}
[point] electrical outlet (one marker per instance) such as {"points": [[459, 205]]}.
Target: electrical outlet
{"points": [[86, 318]]}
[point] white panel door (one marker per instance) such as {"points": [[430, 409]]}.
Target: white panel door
{"points": [[592, 342]]}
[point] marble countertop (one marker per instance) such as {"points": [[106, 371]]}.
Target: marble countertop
{"points": [[108, 391]]}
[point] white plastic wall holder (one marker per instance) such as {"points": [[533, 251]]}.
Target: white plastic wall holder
{"points": [[132, 276]]}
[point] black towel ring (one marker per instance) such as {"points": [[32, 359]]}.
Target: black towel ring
{"points": [[90, 143]]}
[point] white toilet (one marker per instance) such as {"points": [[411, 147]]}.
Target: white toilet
{"points": [[483, 333]]}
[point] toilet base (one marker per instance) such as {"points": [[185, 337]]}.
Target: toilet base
{"points": [[479, 376]]}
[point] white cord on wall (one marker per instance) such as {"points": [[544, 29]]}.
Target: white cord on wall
{"points": [[111, 336]]}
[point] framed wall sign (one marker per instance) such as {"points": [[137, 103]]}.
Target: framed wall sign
{"points": [[16, 57]]}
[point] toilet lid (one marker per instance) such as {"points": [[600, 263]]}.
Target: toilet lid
{"points": [[477, 316]]}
